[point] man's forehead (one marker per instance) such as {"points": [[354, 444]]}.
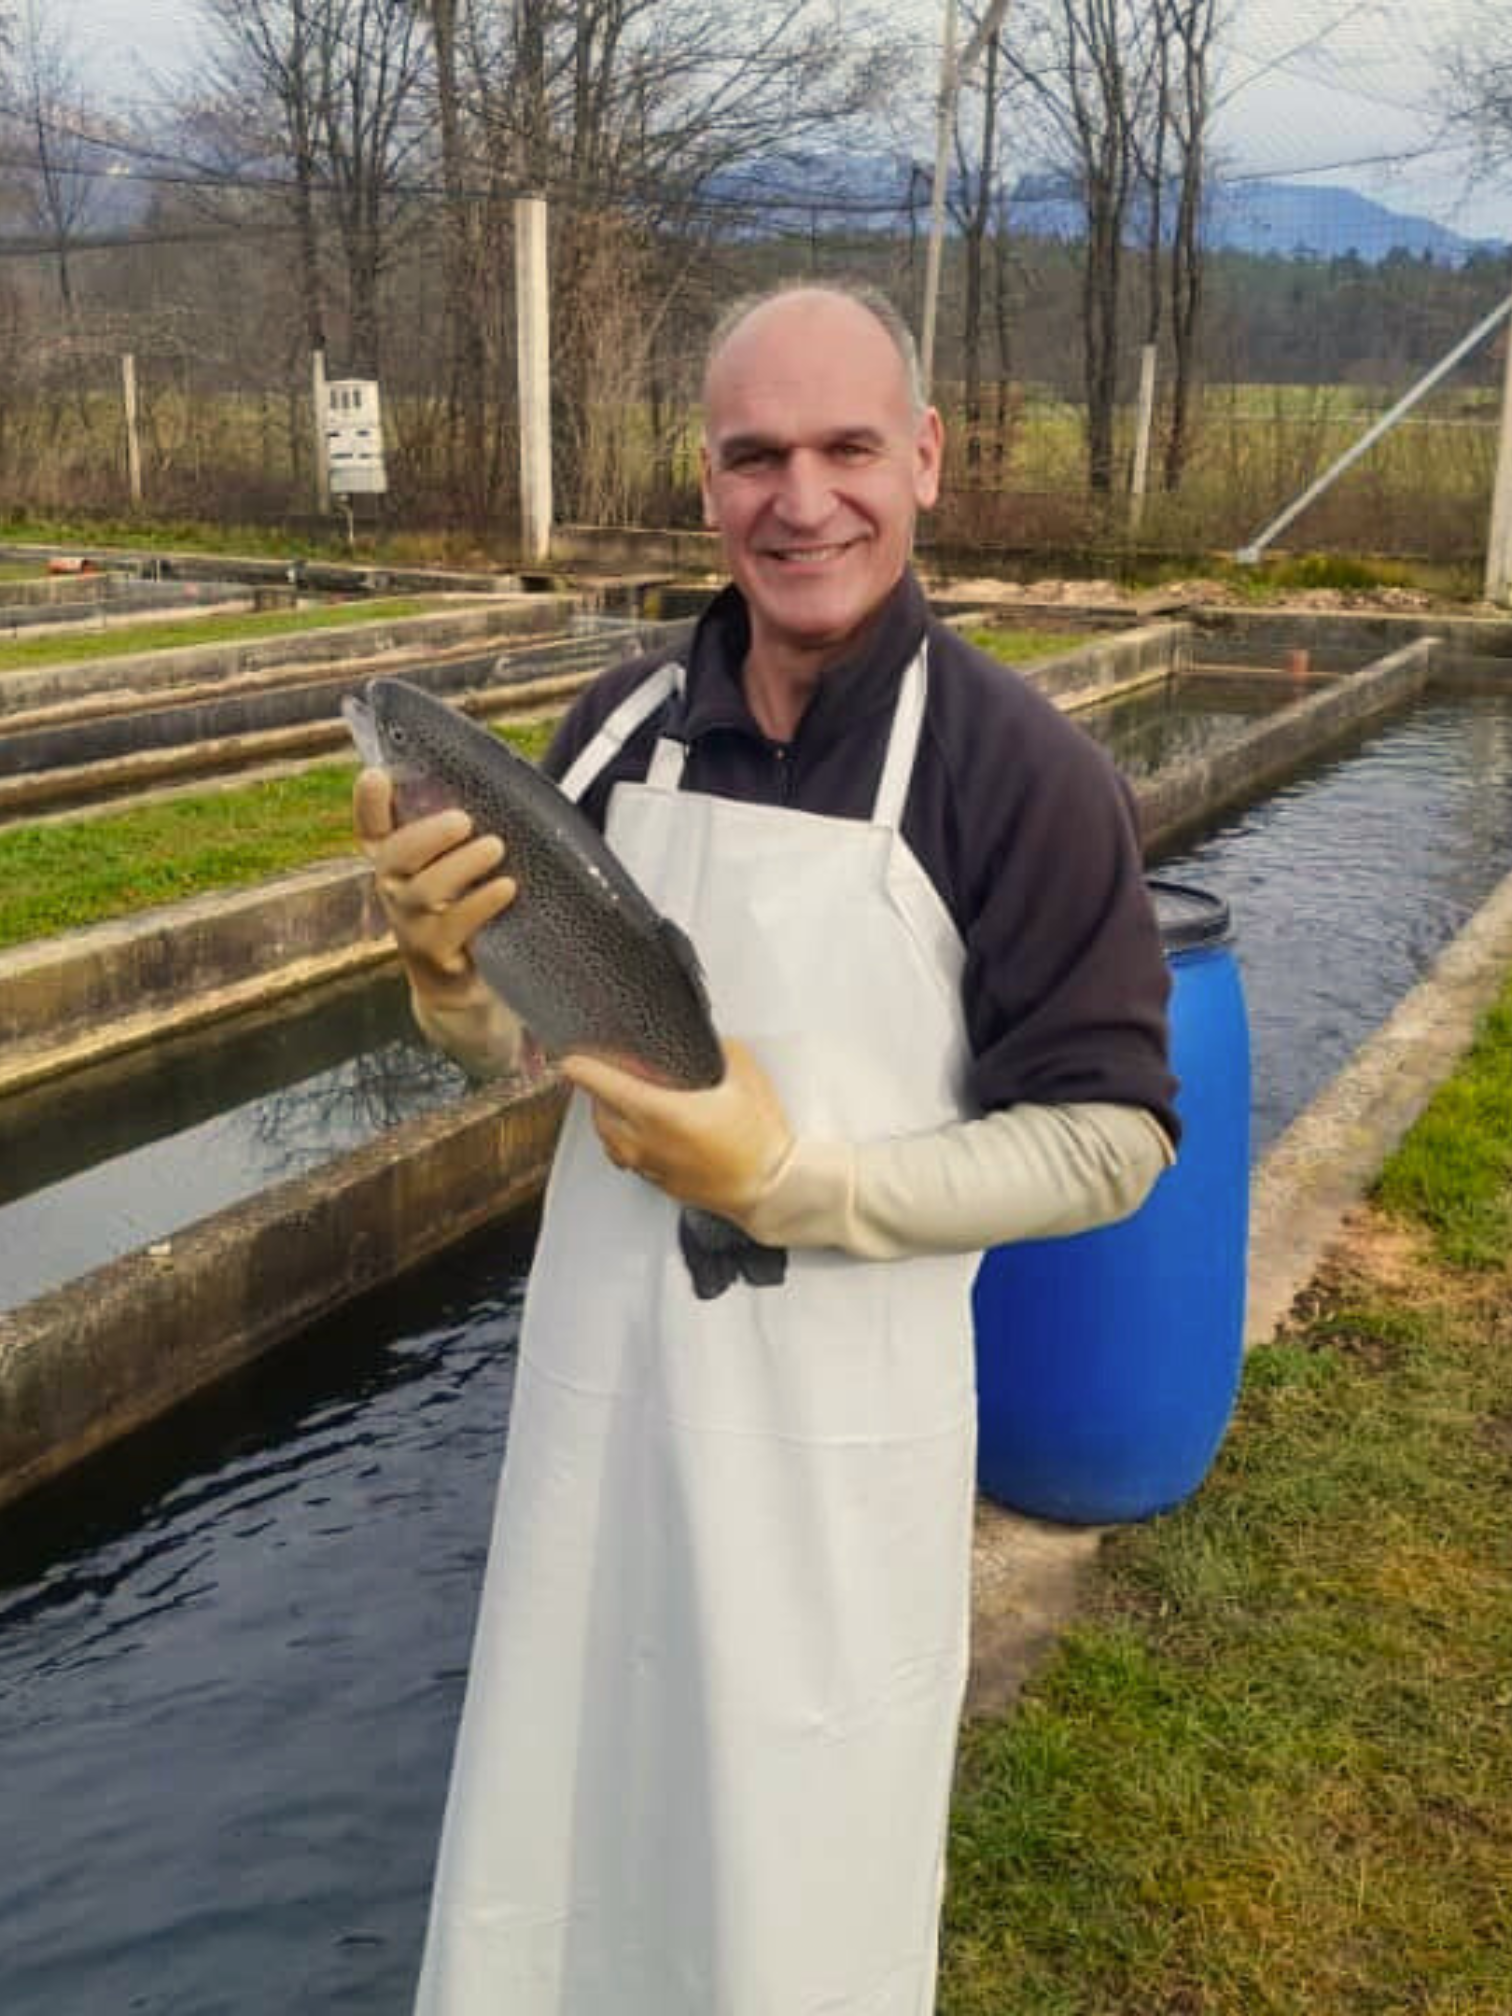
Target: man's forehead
{"points": [[803, 343]]}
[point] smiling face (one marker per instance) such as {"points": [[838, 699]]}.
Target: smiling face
{"points": [[815, 466]]}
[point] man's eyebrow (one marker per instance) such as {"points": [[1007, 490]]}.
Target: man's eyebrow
{"points": [[773, 444]]}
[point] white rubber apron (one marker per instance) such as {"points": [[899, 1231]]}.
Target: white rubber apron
{"points": [[705, 1755]]}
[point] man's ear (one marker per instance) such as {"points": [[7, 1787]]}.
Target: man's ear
{"points": [[929, 455]]}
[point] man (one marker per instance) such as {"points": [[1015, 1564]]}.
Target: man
{"points": [[705, 1756]]}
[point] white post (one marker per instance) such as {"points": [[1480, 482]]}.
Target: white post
{"points": [[322, 464], [533, 341], [944, 115], [1143, 421], [133, 445], [1499, 538]]}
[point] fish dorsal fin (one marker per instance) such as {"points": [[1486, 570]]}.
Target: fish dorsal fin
{"points": [[683, 950]]}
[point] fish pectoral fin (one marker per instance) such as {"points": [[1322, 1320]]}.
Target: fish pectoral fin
{"points": [[718, 1254]]}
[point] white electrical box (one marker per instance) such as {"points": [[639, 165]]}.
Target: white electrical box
{"points": [[354, 437]]}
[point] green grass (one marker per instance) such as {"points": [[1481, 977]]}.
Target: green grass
{"points": [[1270, 1772], [1015, 647], [97, 533], [23, 654], [58, 877], [1454, 1172]]}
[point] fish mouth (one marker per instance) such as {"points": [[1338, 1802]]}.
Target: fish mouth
{"points": [[363, 724]]}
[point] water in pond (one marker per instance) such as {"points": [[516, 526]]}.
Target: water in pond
{"points": [[1346, 883], [135, 1149], [231, 1660], [228, 1685], [1180, 719]]}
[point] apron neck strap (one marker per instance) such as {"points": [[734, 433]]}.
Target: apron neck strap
{"points": [[903, 741], [599, 752], [669, 755]]}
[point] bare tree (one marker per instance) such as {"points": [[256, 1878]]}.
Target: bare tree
{"points": [[332, 85], [1093, 67], [61, 157], [633, 116], [1186, 40]]}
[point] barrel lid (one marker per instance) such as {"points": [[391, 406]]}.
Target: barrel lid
{"points": [[1187, 916]]}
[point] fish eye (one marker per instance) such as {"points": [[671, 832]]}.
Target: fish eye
{"points": [[397, 733]]}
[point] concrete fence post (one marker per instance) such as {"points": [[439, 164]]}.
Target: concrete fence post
{"points": [[133, 443], [1499, 536], [1143, 423], [532, 311]]}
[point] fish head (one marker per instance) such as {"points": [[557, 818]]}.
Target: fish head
{"points": [[396, 729]]}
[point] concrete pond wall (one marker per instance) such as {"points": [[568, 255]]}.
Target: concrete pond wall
{"points": [[99, 1357], [132, 674]]}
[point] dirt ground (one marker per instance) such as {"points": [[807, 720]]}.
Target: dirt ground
{"points": [[1101, 594]]}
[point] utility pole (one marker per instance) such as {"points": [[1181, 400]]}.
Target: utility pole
{"points": [[952, 74]]}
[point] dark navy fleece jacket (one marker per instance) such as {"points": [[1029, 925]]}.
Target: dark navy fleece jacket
{"points": [[1018, 818]]}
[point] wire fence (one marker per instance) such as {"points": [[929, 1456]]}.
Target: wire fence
{"points": [[1318, 311]]}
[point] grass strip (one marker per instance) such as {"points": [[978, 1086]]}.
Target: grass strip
{"points": [[24, 654], [1270, 1771], [1018, 647], [57, 877], [1454, 1172]]}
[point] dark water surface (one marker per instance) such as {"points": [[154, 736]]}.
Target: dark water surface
{"points": [[231, 1659], [139, 1147], [1348, 882], [230, 1670], [1180, 719]]}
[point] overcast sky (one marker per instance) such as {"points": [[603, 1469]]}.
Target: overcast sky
{"points": [[1310, 88]]}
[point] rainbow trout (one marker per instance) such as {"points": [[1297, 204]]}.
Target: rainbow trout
{"points": [[580, 955]]}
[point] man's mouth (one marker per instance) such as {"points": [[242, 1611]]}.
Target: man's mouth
{"points": [[810, 556]]}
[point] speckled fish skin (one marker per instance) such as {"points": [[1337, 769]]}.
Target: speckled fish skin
{"points": [[580, 955]]}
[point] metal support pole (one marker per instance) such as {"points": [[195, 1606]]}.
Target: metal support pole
{"points": [[133, 444], [1144, 421], [944, 117], [1499, 537], [951, 74], [534, 346], [1248, 555]]}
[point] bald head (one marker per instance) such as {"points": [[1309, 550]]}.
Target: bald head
{"points": [[832, 302]]}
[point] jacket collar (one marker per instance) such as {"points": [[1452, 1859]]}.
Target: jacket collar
{"points": [[853, 688]]}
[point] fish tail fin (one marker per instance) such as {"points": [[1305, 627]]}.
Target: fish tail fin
{"points": [[719, 1254]]}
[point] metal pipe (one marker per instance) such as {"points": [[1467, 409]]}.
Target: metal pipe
{"points": [[1247, 556]]}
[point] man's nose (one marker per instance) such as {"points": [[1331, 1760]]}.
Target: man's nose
{"points": [[804, 495]]}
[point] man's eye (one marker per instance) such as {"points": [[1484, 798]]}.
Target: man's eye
{"points": [[854, 451], [748, 458]]}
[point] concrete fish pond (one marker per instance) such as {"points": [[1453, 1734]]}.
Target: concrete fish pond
{"points": [[150, 1313], [250, 1622]]}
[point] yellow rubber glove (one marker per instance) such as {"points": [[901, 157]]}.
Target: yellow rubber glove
{"points": [[438, 886], [716, 1149]]}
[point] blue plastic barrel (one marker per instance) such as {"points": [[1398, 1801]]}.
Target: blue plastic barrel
{"points": [[1108, 1362]]}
